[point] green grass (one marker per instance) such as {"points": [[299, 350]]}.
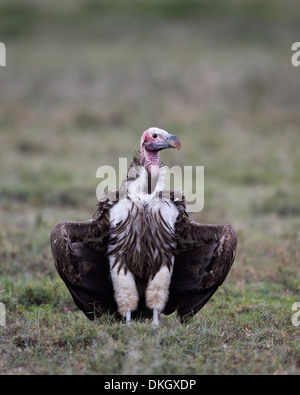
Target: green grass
{"points": [[81, 84], [242, 331]]}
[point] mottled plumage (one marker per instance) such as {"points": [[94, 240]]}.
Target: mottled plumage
{"points": [[140, 251]]}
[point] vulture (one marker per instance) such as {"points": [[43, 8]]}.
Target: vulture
{"points": [[141, 255]]}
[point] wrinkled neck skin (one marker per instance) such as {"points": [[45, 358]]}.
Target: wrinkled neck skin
{"points": [[151, 159], [152, 165]]}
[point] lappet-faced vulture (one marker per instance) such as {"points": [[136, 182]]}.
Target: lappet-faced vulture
{"points": [[141, 255]]}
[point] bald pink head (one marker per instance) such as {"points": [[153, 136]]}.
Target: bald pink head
{"points": [[154, 140]]}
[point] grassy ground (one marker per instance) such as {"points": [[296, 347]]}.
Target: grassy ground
{"points": [[81, 84]]}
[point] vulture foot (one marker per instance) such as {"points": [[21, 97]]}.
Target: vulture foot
{"points": [[128, 317], [155, 317]]}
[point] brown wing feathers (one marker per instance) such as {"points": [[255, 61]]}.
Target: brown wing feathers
{"points": [[205, 258], [79, 256]]}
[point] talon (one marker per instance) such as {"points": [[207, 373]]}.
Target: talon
{"points": [[128, 317], [155, 317]]}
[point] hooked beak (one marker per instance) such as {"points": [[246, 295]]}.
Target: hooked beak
{"points": [[174, 142]]}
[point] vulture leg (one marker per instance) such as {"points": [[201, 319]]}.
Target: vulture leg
{"points": [[157, 292], [126, 294], [155, 317], [128, 317]]}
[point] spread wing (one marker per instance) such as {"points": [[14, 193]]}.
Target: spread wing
{"points": [[79, 250], [205, 256]]}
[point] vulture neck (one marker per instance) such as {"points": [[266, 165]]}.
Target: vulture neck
{"points": [[144, 177], [152, 164]]}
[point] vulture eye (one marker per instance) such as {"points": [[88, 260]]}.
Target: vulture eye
{"points": [[154, 135]]}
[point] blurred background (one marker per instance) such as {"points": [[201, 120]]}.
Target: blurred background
{"points": [[84, 79]]}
